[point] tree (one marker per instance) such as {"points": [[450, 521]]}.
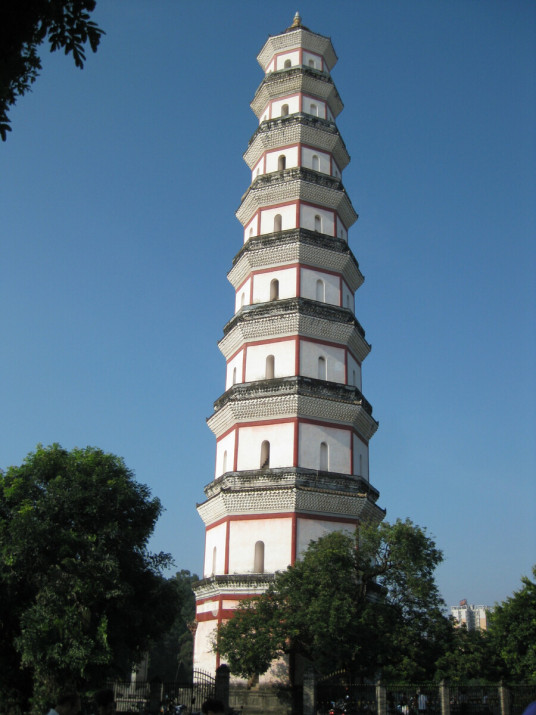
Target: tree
{"points": [[512, 629], [172, 655], [81, 594], [469, 656], [367, 604], [24, 26]]}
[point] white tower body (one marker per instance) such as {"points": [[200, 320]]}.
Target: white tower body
{"points": [[292, 427]]}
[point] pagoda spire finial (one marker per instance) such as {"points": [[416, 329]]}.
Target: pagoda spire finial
{"points": [[297, 20]]}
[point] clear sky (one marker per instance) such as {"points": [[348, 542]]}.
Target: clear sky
{"points": [[118, 187]]}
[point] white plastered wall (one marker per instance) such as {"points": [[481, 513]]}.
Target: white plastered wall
{"points": [[284, 353], [262, 282], [354, 372], [309, 104], [323, 159], [205, 657], [276, 534], [272, 158], [341, 230], [309, 287], [293, 56], [234, 371], [337, 440], [307, 219], [292, 102], [312, 529], [361, 458], [224, 446], [334, 361], [242, 295], [288, 218], [250, 439], [214, 539], [316, 59], [251, 229], [347, 297]]}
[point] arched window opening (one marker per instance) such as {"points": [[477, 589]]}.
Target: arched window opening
{"points": [[313, 109], [234, 375], [251, 231], [274, 289], [318, 223], [311, 63], [270, 367], [354, 378], [265, 454], [315, 162], [281, 162], [323, 456], [258, 561], [320, 291], [287, 64], [322, 368], [242, 300], [284, 110], [213, 561], [278, 222], [224, 462]]}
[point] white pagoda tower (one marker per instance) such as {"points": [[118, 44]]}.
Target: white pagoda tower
{"points": [[292, 427]]}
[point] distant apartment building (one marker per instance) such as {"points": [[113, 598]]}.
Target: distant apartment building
{"points": [[473, 617]]}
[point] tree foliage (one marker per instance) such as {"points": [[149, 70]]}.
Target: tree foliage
{"points": [[24, 26], [513, 633], [171, 657], [367, 607], [81, 594], [468, 657]]}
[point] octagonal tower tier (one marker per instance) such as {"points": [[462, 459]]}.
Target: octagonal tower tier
{"points": [[292, 427]]}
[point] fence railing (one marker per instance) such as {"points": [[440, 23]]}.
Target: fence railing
{"points": [[416, 699]]}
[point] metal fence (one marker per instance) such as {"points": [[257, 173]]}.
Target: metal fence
{"points": [[172, 698], [340, 694]]}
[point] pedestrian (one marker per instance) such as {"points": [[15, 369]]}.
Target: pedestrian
{"points": [[422, 702], [213, 707], [67, 703]]}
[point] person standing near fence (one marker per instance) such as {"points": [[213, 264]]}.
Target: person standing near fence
{"points": [[422, 702]]}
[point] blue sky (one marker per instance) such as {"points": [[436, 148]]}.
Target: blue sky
{"points": [[118, 187]]}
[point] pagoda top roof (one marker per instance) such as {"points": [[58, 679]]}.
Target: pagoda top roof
{"points": [[297, 35]]}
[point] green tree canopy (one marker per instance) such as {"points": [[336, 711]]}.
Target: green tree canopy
{"points": [[366, 603], [171, 657], [468, 657], [81, 593], [512, 629], [24, 26]]}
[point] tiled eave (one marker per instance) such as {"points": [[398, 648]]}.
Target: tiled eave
{"points": [[296, 246], [296, 184], [294, 129], [292, 397], [297, 80], [297, 38], [259, 326]]}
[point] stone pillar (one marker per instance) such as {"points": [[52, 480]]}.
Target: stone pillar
{"points": [[444, 698], [223, 675], [381, 699], [504, 698], [309, 691]]}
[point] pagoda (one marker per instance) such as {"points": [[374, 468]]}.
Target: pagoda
{"points": [[292, 427]]}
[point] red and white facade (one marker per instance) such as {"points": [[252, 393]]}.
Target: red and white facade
{"points": [[292, 427]]}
